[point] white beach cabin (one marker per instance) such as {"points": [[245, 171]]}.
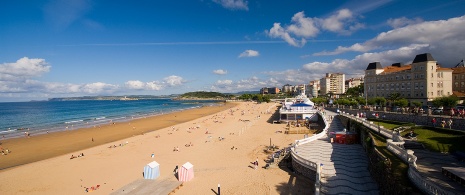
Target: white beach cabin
{"points": [[186, 173], [152, 170]]}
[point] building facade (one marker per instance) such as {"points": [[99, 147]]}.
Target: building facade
{"points": [[353, 82], [333, 83], [422, 81], [269, 90]]}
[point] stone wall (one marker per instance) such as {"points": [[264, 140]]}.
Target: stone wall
{"points": [[457, 123], [309, 173]]}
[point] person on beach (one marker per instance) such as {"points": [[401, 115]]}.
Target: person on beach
{"points": [[256, 164]]}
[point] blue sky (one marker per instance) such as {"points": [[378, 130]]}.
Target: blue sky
{"points": [[79, 47]]}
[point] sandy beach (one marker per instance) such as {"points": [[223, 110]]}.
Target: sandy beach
{"points": [[42, 164]]}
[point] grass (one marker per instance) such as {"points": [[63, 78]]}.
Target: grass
{"points": [[434, 139], [439, 139], [390, 124]]}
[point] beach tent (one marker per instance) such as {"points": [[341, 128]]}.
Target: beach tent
{"points": [[152, 170], [186, 173]]}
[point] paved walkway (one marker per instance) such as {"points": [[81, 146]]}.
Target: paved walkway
{"points": [[430, 164], [149, 186], [345, 167]]}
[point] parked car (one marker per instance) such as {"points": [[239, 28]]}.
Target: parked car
{"points": [[438, 111]]}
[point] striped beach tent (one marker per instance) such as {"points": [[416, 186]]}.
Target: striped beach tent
{"points": [[152, 170], [186, 173]]}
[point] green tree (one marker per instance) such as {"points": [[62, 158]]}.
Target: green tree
{"points": [[401, 102], [447, 102], [381, 101], [416, 103]]}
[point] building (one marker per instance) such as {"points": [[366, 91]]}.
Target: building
{"points": [[270, 90], [312, 88], [422, 81], [287, 88], [332, 83], [353, 82], [458, 78]]}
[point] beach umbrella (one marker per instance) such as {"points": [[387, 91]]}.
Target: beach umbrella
{"points": [[186, 173], [152, 170]]}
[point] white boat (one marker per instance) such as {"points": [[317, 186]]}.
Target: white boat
{"points": [[298, 108]]}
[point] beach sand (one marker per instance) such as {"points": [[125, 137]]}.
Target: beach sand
{"points": [[248, 129]]}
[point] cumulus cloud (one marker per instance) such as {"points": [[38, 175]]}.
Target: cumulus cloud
{"points": [[170, 81], [279, 32], [233, 4], [173, 81], [23, 68], [220, 72], [135, 85], [249, 53], [342, 22], [445, 39], [403, 21]]}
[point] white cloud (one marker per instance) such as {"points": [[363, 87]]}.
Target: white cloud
{"points": [[403, 21], [135, 85], [303, 26], [220, 72], [342, 22], [249, 53], [23, 68], [445, 39], [233, 4], [173, 81], [154, 85], [279, 32]]}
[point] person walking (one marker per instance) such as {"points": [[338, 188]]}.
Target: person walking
{"points": [[433, 121], [449, 123]]}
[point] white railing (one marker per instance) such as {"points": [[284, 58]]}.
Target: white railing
{"points": [[306, 163], [425, 185]]}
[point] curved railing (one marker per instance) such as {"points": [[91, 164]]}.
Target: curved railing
{"points": [[307, 163], [424, 184]]}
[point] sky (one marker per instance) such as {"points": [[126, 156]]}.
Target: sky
{"points": [[52, 48]]}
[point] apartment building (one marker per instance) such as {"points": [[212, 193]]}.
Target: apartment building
{"points": [[332, 83], [312, 88], [353, 82], [422, 81], [269, 90]]}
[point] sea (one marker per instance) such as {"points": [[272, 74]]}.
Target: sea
{"points": [[39, 117]]}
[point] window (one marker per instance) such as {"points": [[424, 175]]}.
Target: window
{"points": [[439, 92], [432, 75], [432, 85]]}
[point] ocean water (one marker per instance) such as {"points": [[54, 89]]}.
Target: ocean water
{"points": [[16, 118]]}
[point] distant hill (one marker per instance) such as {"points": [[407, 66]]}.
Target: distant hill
{"points": [[202, 95]]}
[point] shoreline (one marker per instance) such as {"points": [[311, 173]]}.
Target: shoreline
{"points": [[23, 149], [221, 146], [15, 131]]}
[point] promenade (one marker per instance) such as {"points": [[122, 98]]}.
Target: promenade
{"points": [[428, 165], [344, 167]]}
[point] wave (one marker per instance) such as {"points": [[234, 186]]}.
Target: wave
{"points": [[76, 121]]}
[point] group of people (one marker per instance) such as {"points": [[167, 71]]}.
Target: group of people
{"points": [[5, 151], [73, 157], [443, 123]]}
